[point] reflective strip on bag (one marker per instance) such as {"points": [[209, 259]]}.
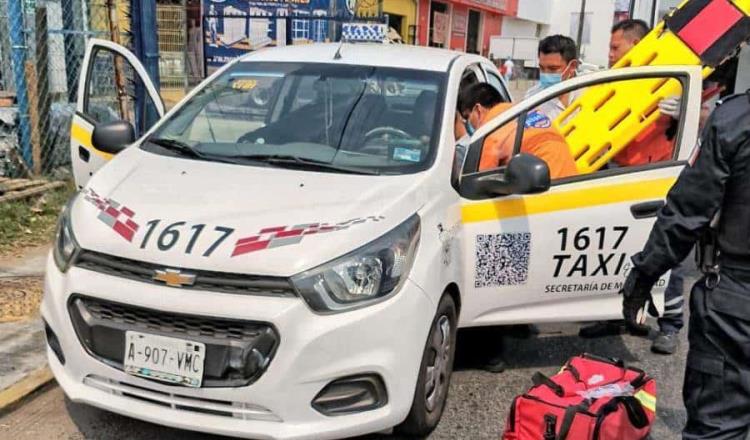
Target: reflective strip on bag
{"points": [[647, 400]]}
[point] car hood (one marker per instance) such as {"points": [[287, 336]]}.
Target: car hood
{"points": [[274, 221]]}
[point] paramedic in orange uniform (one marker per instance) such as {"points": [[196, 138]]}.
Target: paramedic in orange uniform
{"points": [[655, 143], [481, 102]]}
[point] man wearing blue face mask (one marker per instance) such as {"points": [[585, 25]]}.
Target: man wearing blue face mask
{"points": [[558, 61]]}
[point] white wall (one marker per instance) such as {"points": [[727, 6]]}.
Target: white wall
{"points": [[514, 27], [539, 11], [601, 19]]}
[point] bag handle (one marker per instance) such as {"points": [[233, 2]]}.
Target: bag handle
{"points": [[612, 361], [638, 382], [636, 413], [540, 379], [568, 417]]}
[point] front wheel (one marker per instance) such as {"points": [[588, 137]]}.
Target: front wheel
{"points": [[434, 373]]}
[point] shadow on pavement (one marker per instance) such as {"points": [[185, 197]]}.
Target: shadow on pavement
{"points": [[524, 349]]}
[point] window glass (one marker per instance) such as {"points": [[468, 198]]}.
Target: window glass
{"points": [[495, 82], [381, 119], [602, 127], [112, 90]]}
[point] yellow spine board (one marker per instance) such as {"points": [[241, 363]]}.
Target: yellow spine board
{"points": [[607, 117]]}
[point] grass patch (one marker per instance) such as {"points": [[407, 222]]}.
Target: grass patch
{"points": [[31, 222]]}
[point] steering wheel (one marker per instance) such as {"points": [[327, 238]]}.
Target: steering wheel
{"points": [[381, 131]]}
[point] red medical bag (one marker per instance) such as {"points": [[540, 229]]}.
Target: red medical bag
{"points": [[590, 398]]}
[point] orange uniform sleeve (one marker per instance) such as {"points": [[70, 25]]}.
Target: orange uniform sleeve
{"points": [[551, 148], [498, 147], [545, 143]]}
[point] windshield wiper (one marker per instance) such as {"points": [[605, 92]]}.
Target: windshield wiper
{"points": [[296, 161], [178, 146]]}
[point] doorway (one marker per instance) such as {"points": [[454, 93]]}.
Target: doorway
{"points": [[397, 23], [472, 32]]}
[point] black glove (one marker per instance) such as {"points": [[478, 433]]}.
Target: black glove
{"points": [[636, 293]]}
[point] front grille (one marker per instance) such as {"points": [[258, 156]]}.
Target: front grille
{"points": [[148, 320], [237, 352], [222, 408], [204, 280]]}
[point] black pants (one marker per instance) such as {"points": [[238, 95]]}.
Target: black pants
{"points": [[717, 377]]}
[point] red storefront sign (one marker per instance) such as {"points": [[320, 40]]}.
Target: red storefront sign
{"points": [[440, 28]]}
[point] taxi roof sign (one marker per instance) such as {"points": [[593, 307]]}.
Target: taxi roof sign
{"points": [[364, 32]]}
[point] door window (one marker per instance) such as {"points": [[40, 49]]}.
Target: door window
{"points": [[602, 128], [115, 91], [495, 82]]}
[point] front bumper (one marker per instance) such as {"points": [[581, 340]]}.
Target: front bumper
{"points": [[386, 339]]}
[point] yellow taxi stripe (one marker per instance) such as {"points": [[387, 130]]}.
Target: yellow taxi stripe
{"points": [[83, 137], [647, 400], [565, 200]]}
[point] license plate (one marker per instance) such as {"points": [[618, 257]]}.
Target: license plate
{"points": [[166, 359]]}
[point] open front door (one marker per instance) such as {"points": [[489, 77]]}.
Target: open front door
{"points": [[113, 86], [563, 255]]}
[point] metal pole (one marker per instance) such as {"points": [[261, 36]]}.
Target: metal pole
{"points": [[581, 20], [631, 10], [654, 12], [146, 47], [18, 50]]}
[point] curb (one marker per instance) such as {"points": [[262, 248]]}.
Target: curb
{"points": [[30, 383]]}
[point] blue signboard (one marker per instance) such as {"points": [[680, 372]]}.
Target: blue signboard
{"points": [[234, 27]]}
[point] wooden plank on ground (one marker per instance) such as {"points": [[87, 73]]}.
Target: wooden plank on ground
{"points": [[17, 195], [19, 184]]}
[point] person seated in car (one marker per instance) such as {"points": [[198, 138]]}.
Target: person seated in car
{"points": [[481, 102]]}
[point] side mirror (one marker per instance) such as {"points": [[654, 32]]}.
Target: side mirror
{"points": [[113, 137], [525, 174]]}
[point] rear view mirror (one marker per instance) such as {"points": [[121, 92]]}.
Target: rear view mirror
{"points": [[112, 137], [524, 174]]}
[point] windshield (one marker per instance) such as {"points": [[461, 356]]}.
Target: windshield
{"points": [[373, 119]]}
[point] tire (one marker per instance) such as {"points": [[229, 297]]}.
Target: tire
{"points": [[429, 400]]}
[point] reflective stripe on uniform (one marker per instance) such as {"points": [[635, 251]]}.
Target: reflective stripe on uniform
{"points": [[673, 301]]}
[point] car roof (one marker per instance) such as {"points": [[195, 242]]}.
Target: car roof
{"points": [[363, 54]]}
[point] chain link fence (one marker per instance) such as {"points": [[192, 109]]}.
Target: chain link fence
{"points": [[42, 44]]}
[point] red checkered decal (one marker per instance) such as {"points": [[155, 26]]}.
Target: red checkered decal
{"points": [[114, 215], [277, 236]]}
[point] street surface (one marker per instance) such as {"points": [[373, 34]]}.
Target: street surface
{"points": [[477, 404]]}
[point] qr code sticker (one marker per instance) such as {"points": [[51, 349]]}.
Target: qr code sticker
{"points": [[502, 259]]}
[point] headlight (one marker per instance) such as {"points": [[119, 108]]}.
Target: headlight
{"points": [[66, 247], [364, 276]]}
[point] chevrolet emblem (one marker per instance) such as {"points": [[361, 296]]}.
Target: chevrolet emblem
{"points": [[174, 278]]}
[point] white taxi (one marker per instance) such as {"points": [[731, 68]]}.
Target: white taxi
{"points": [[289, 251]]}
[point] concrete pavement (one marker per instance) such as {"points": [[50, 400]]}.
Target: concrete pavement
{"points": [[477, 404]]}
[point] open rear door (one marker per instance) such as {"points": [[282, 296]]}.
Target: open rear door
{"points": [[113, 85]]}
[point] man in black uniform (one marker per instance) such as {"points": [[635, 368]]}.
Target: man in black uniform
{"points": [[716, 185]]}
